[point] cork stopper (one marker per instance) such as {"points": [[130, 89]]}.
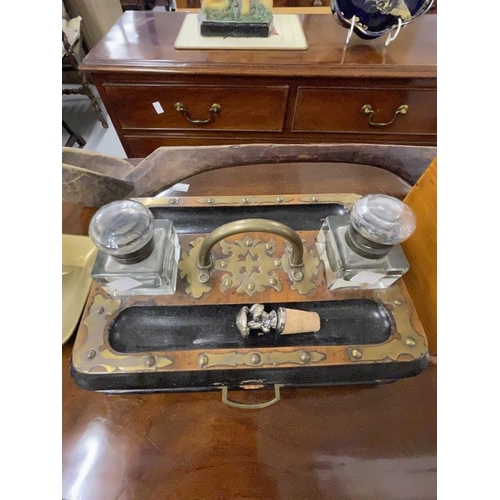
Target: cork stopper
{"points": [[296, 321]]}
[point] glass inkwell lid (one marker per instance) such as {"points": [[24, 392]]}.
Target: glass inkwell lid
{"points": [[378, 222], [124, 230]]}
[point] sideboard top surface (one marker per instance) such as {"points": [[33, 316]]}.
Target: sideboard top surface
{"points": [[143, 41]]}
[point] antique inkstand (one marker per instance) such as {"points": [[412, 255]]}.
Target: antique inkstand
{"points": [[330, 308]]}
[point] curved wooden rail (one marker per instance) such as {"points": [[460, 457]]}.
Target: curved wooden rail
{"points": [[100, 179], [169, 165]]}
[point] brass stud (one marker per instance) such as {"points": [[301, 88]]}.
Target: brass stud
{"points": [[314, 198], [172, 201], [398, 302], [248, 242], [305, 357], [356, 354], [251, 286], [100, 310], [255, 359], [150, 361], [279, 199], [203, 360], [268, 246], [277, 262], [91, 354], [211, 201], [245, 200], [227, 282], [272, 281], [223, 263], [410, 342]]}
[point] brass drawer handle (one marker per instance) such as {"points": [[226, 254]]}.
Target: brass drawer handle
{"points": [[367, 109], [256, 406], [214, 109]]}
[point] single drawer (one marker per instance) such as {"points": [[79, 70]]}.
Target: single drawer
{"points": [[395, 111], [203, 107]]}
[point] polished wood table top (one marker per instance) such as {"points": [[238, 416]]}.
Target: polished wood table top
{"points": [[373, 442], [144, 42]]}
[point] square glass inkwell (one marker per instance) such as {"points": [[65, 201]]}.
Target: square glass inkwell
{"points": [[138, 254], [361, 249]]}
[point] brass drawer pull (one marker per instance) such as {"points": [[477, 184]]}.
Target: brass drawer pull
{"points": [[214, 109], [367, 109], [256, 406]]}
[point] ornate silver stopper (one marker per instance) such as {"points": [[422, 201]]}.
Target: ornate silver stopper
{"points": [[255, 318], [284, 321]]}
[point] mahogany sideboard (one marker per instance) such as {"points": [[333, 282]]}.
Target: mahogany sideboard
{"points": [[311, 96]]}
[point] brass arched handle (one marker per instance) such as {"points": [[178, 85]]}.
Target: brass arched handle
{"points": [[214, 109], [255, 406], [205, 261], [367, 109]]}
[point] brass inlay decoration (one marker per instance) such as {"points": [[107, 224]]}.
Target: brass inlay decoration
{"points": [[258, 358], [368, 110], [249, 200], [96, 356], [250, 267], [244, 200], [406, 341], [163, 201], [344, 199], [310, 270]]}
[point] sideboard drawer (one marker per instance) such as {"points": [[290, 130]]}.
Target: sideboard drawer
{"points": [[340, 110], [241, 108]]}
